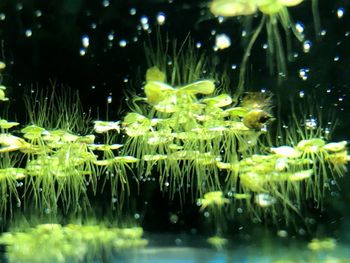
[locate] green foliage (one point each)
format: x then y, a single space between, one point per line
71 243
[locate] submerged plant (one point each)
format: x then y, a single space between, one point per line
274 14
55 109
70 243
10 179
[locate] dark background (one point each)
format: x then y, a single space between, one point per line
52 53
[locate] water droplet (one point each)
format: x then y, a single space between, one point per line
93 25
85 41
306 46
19 6
137 216
161 18
282 233
221 19
132 11
105 3
28 33
123 43
38 13
340 12
311 123
144 20
222 41
299 27
173 218
110 36
82 52
303 73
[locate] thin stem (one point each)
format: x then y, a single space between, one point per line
246 55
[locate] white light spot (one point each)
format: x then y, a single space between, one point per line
145 27
282 233
161 18
301 94
82 52
109 99
222 41
123 43
311 124
144 20
132 11
38 13
105 3
110 36
340 12
299 27
306 46
85 41
28 33
2 16
336 58
137 216
264 200
303 73
198 45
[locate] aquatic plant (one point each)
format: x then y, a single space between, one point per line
61 175
69 243
274 14
10 179
217 242
177 64
214 204
55 109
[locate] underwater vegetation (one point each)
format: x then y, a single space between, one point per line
274 15
196 138
70 243
202 145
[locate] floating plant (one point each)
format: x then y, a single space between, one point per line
274 14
